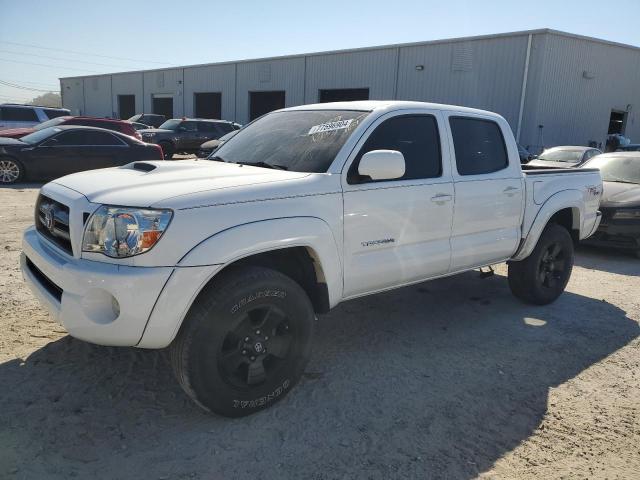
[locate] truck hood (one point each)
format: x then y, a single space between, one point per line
16 132
177 184
617 194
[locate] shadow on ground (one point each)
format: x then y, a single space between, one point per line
437 380
608 260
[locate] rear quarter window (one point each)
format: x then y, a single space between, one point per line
51 113
479 146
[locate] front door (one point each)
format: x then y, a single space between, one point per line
397 231
489 193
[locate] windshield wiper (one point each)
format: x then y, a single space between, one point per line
216 158
274 166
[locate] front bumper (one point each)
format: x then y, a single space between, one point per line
110 304
623 236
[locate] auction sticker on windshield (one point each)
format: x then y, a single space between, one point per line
330 126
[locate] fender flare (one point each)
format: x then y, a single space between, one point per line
559 201
241 241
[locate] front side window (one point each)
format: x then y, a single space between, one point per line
297 140
415 136
479 146
72 138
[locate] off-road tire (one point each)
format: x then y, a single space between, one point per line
541 278
213 338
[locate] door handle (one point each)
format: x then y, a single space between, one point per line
510 191
441 198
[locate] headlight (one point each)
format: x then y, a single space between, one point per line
123 232
627 214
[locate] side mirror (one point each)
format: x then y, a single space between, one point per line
382 164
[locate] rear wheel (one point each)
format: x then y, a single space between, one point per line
167 150
542 276
245 341
11 171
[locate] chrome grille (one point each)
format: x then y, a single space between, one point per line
52 221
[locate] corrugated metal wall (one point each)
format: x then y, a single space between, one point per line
372 69
578 82
213 78
164 82
127 84
272 75
73 94
484 73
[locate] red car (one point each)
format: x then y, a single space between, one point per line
121 126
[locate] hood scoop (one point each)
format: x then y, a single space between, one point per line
143 166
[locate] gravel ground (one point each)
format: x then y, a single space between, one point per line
448 379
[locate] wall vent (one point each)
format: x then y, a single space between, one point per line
462 57
264 73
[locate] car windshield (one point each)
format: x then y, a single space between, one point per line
135 118
561 155
50 123
39 135
298 140
617 169
171 124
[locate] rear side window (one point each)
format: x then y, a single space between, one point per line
16 114
102 138
415 136
51 113
479 146
208 127
224 128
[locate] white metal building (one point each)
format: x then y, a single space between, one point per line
553 87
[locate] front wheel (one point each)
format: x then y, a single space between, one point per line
167 150
542 276
11 171
245 342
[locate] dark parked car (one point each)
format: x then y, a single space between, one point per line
185 135
620 204
154 120
524 154
208 147
121 126
632 147
57 151
564 157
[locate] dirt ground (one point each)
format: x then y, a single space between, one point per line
449 379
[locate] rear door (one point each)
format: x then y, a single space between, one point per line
397 231
189 136
489 190
103 149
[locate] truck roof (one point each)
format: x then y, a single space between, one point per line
371 105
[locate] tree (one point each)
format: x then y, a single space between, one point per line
50 99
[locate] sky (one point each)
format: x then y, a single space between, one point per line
41 41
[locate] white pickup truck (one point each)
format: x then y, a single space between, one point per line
228 260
